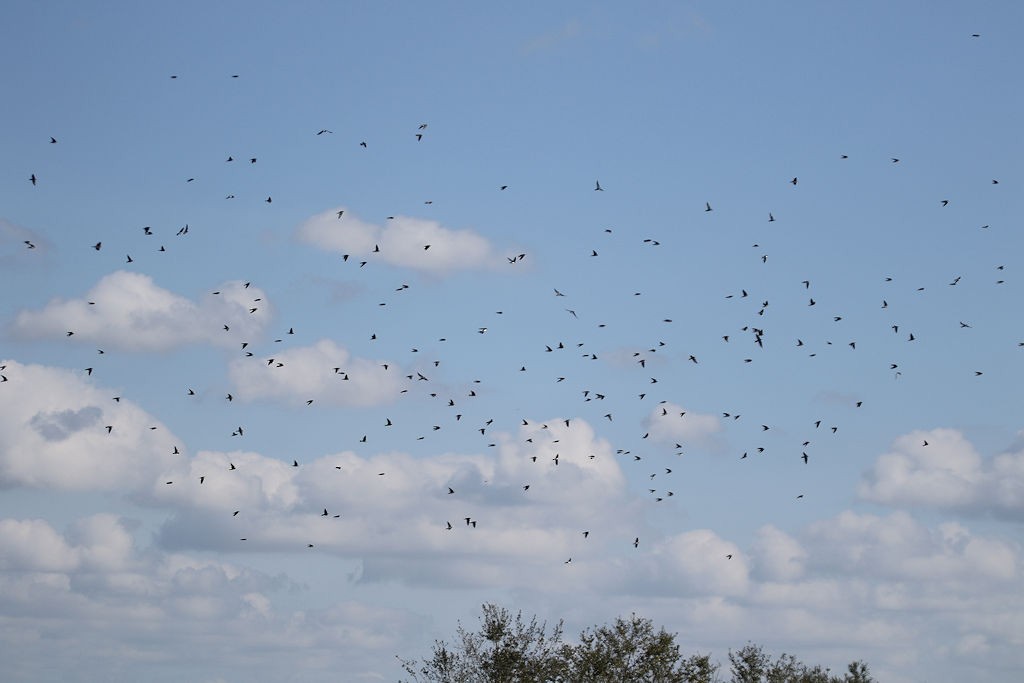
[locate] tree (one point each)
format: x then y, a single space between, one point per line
509 649
857 672
749 664
631 650
505 648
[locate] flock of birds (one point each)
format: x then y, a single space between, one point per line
750 337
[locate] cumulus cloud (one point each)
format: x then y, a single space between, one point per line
899 547
671 423
157 606
941 469
777 556
324 372
406 242
53 434
128 311
700 562
393 507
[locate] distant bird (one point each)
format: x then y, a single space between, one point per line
32 179
707 206
597 185
793 181
53 141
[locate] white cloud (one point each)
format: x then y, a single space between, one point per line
396 523
940 468
126 310
897 547
402 242
323 372
145 607
53 434
699 562
671 423
777 556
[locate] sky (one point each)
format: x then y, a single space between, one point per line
325 323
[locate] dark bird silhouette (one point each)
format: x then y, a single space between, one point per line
32 179
597 186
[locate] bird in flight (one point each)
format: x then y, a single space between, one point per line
597 186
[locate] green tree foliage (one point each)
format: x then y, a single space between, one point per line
509 649
505 648
751 664
631 650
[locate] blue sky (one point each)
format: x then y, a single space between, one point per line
903 554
